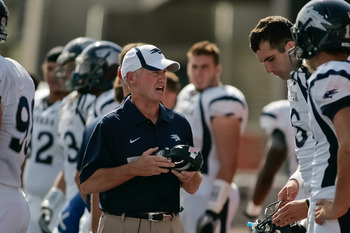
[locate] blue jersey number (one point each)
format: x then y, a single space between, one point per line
301 135
41 157
72 145
23 119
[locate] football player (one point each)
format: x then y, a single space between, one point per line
95 72
218 115
72 118
16 122
46 155
322 37
271 40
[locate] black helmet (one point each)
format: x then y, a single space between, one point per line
321 24
73 49
186 158
96 67
4 13
64 70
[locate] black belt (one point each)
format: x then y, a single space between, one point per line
152 216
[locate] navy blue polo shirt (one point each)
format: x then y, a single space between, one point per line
121 136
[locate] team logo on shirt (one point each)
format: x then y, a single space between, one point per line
329 94
175 137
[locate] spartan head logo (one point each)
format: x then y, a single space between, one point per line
312 18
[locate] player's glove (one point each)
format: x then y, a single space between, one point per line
207 222
186 158
71 214
52 201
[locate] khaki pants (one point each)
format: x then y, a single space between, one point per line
121 224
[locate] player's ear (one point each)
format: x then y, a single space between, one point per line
119 74
290 44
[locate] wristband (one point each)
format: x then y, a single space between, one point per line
219 195
297 176
53 199
307 203
252 209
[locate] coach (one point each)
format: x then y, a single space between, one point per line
139 192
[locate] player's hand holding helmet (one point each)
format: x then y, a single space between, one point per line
51 203
186 158
266 225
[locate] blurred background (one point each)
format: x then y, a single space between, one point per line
35 26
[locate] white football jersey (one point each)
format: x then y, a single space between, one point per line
103 104
46 157
73 116
17 103
276 115
199 108
304 142
329 92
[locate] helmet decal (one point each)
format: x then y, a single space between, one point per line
313 19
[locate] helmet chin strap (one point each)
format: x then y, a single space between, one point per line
296 63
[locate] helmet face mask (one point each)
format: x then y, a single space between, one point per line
3 21
66 61
93 66
321 25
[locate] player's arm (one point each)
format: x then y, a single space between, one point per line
105 179
52 202
341 204
226 133
290 191
276 155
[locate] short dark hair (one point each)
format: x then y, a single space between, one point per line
52 54
274 29
205 48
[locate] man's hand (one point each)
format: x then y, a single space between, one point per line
325 210
291 212
289 192
184 176
148 164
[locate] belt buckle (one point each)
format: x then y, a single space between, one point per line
164 217
150 217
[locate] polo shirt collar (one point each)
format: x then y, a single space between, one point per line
137 117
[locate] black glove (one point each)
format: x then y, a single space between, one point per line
45 219
207 222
